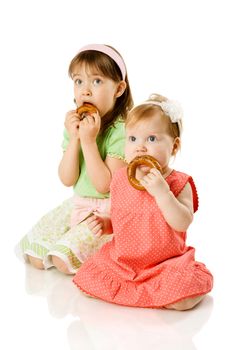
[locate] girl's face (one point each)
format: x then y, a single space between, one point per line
150 137
92 87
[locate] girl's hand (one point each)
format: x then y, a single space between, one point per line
72 123
89 128
154 183
99 225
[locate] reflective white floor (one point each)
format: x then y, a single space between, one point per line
183 51
44 310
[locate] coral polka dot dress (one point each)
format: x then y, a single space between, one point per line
147 264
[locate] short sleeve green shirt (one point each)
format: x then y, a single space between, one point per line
111 144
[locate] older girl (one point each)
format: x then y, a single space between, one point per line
93 150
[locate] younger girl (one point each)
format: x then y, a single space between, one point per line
93 151
147 264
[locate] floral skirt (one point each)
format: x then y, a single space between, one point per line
63 233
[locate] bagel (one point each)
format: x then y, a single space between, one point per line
146 160
86 108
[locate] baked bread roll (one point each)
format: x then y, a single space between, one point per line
146 160
86 108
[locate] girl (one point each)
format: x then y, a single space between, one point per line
147 264
93 151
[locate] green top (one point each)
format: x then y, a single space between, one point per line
111 144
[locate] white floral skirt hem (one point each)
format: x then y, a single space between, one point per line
53 235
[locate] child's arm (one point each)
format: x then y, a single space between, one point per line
99 171
69 166
99 225
177 211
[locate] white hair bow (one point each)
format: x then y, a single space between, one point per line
171 108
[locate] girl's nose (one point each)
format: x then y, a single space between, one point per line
86 91
141 148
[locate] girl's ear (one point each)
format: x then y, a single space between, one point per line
176 146
121 88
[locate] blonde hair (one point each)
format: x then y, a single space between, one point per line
146 110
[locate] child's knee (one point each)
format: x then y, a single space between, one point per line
60 265
185 304
36 262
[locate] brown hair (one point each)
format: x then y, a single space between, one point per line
108 67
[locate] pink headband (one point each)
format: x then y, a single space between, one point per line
108 51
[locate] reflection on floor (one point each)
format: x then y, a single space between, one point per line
98 325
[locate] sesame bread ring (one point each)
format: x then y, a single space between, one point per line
146 160
86 108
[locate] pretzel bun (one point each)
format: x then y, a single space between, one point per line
146 160
86 108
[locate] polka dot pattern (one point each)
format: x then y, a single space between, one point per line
147 264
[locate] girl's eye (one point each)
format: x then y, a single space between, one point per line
97 82
152 138
132 138
78 82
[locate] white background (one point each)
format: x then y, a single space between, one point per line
181 49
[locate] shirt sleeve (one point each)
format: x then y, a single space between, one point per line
116 141
65 141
